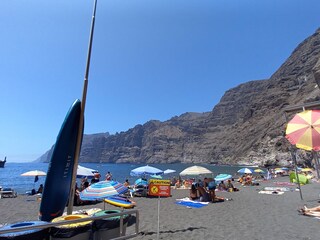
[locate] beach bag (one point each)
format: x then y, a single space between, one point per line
212 185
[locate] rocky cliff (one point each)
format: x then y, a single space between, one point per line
246 126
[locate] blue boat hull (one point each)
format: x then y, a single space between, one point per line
59 176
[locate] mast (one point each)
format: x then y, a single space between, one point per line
81 123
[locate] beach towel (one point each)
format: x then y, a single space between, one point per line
189 203
279 189
271 192
285 184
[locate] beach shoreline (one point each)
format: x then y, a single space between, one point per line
250 215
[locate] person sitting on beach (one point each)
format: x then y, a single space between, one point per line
84 183
77 201
230 187
178 184
222 186
204 195
96 178
248 180
40 189
173 181
126 183
193 192
206 182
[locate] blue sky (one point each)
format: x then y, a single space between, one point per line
150 60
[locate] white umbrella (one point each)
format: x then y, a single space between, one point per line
168 171
33 173
85 172
195 170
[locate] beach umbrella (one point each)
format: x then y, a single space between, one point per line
168 171
145 170
245 170
33 173
222 177
195 170
258 170
85 172
102 189
303 130
141 181
156 176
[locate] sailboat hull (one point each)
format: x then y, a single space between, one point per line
59 176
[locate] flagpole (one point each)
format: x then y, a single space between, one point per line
81 122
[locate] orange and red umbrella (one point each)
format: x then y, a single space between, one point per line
304 130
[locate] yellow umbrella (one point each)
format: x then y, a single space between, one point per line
258 170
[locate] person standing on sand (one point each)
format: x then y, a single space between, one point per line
268 174
108 176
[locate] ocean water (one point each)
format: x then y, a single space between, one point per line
10 174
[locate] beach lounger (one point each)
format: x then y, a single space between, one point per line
7 193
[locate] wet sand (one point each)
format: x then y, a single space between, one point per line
249 215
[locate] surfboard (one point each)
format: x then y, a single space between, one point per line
120 202
59 175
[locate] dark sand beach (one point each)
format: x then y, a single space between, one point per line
249 215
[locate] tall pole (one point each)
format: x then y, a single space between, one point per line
81 122
293 156
316 162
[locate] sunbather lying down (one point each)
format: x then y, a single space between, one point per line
314 212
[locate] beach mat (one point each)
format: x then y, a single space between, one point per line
278 189
271 192
285 184
189 203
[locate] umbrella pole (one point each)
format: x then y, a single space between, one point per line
158 229
315 157
81 122
296 170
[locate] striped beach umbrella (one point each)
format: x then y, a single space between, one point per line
304 130
245 170
101 190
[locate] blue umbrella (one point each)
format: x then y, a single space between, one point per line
156 176
141 181
222 177
145 170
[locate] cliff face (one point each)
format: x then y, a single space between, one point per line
246 126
